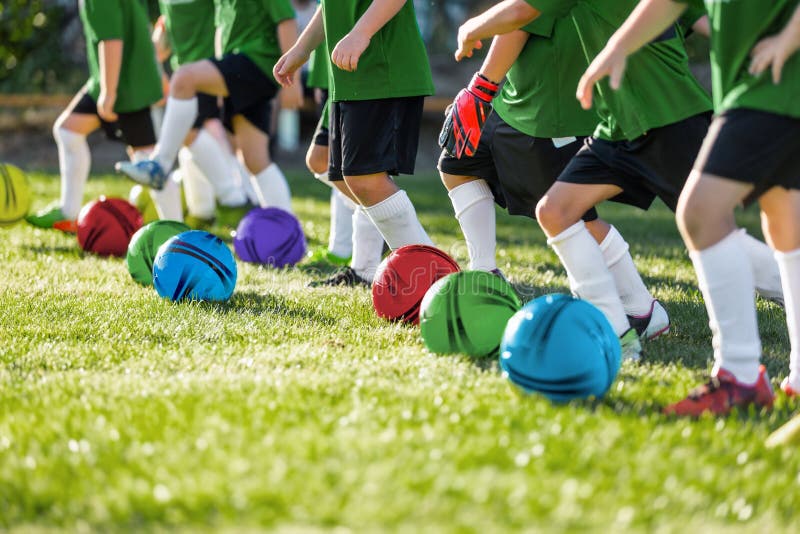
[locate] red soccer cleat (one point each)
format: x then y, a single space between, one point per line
788 389
723 393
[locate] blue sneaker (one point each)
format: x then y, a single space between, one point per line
146 172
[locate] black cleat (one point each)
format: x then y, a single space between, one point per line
345 277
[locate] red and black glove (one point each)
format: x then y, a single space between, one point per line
465 117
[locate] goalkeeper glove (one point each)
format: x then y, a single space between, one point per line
465 117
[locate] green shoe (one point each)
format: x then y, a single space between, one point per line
323 255
53 218
231 215
198 223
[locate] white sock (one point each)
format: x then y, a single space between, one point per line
200 198
725 278
75 161
397 221
635 297
273 188
213 160
367 245
589 277
340 239
178 120
168 200
246 181
789 264
473 204
766 275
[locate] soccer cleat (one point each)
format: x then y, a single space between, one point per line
653 324
146 172
788 389
325 256
53 217
631 346
723 393
345 277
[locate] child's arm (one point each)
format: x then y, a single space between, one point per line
290 97
348 51
505 17
291 61
161 40
776 50
466 117
110 56
648 20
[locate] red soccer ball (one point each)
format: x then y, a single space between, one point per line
106 225
403 279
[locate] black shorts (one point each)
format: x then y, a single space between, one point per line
656 164
373 136
207 108
518 168
250 91
134 128
755 147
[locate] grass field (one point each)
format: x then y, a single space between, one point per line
297 410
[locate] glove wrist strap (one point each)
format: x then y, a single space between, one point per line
483 87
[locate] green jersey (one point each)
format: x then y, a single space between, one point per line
658 88
108 20
736 28
538 98
319 69
190 27
250 27
394 65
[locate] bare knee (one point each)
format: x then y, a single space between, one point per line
182 83
553 216
689 218
317 159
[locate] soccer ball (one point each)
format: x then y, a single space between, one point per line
15 194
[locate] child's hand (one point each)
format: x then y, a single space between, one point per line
466 43
774 51
105 106
286 67
609 62
348 51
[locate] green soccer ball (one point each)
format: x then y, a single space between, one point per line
466 313
144 245
15 194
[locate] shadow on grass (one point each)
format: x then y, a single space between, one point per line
251 303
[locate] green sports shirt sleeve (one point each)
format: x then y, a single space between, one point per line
139 81
104 19
538 98
736 28
394 65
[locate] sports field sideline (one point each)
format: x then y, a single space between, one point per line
297 410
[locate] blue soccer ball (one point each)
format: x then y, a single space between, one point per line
194 265
561 347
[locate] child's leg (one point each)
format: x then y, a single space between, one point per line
268 179
167 200
473 204
200 197
781 213
74 158
182 107
389 208
706 221
559 214
340 238
214 162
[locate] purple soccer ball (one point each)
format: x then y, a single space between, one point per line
270 236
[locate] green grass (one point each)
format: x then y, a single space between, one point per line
295 410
